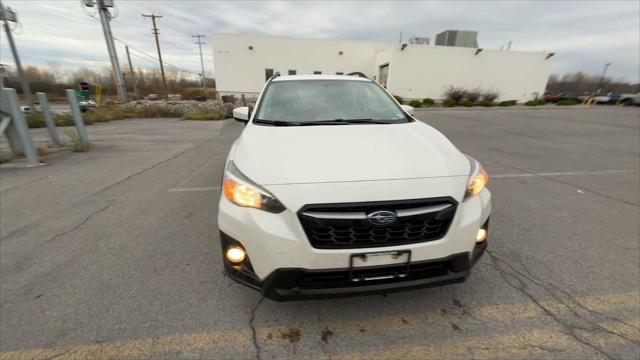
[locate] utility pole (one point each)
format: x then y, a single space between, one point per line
204 80
6 14
105 18
156 32
133 75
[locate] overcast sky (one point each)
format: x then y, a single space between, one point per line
585 35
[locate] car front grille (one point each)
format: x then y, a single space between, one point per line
346 226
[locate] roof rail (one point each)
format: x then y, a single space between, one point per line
357 73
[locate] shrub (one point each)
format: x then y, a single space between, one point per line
192 93
428 102
35 120
541 102
508 103
487 103
490 96
467 103
77 145
565 102
473 95
531 103
63 120
399 99
449 103
455 93
103 114
415 103
204 115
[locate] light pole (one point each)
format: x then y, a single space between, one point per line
604 71
7 15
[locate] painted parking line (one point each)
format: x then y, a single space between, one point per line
235 341
561 173
525 344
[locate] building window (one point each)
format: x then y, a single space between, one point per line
268 73
292 72
339 73
384 75
317 72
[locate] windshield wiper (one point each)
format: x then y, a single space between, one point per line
277 122
344 122
319 122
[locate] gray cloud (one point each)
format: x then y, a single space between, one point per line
584 35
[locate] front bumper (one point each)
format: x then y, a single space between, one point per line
280 252
301 284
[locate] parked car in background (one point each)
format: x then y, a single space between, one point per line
629 99
568 96
551 97
583 97
602 99
613 98
85 105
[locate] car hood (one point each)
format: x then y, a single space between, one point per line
271 155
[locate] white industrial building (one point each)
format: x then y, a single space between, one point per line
414 71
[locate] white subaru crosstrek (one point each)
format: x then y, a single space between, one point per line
334 189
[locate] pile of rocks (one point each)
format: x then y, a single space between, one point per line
188 106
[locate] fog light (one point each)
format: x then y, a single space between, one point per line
482 235
235 254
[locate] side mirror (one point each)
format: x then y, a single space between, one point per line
241 114
406 108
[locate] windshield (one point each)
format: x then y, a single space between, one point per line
336 101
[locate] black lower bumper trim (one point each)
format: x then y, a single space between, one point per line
299 284
274 292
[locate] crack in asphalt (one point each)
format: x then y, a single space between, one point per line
254 335
577 322
25 184
143 170
84 221
15 231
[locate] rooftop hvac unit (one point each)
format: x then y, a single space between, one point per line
460 38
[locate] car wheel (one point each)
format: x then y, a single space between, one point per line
627 102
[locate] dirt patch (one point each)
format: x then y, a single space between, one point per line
326 334
291 334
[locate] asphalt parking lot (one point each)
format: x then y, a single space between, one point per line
114 253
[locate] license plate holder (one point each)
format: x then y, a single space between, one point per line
358 264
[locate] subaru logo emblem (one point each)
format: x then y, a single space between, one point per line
383 217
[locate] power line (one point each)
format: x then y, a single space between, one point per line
153 57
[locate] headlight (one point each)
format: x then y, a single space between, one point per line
478 179
241 191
